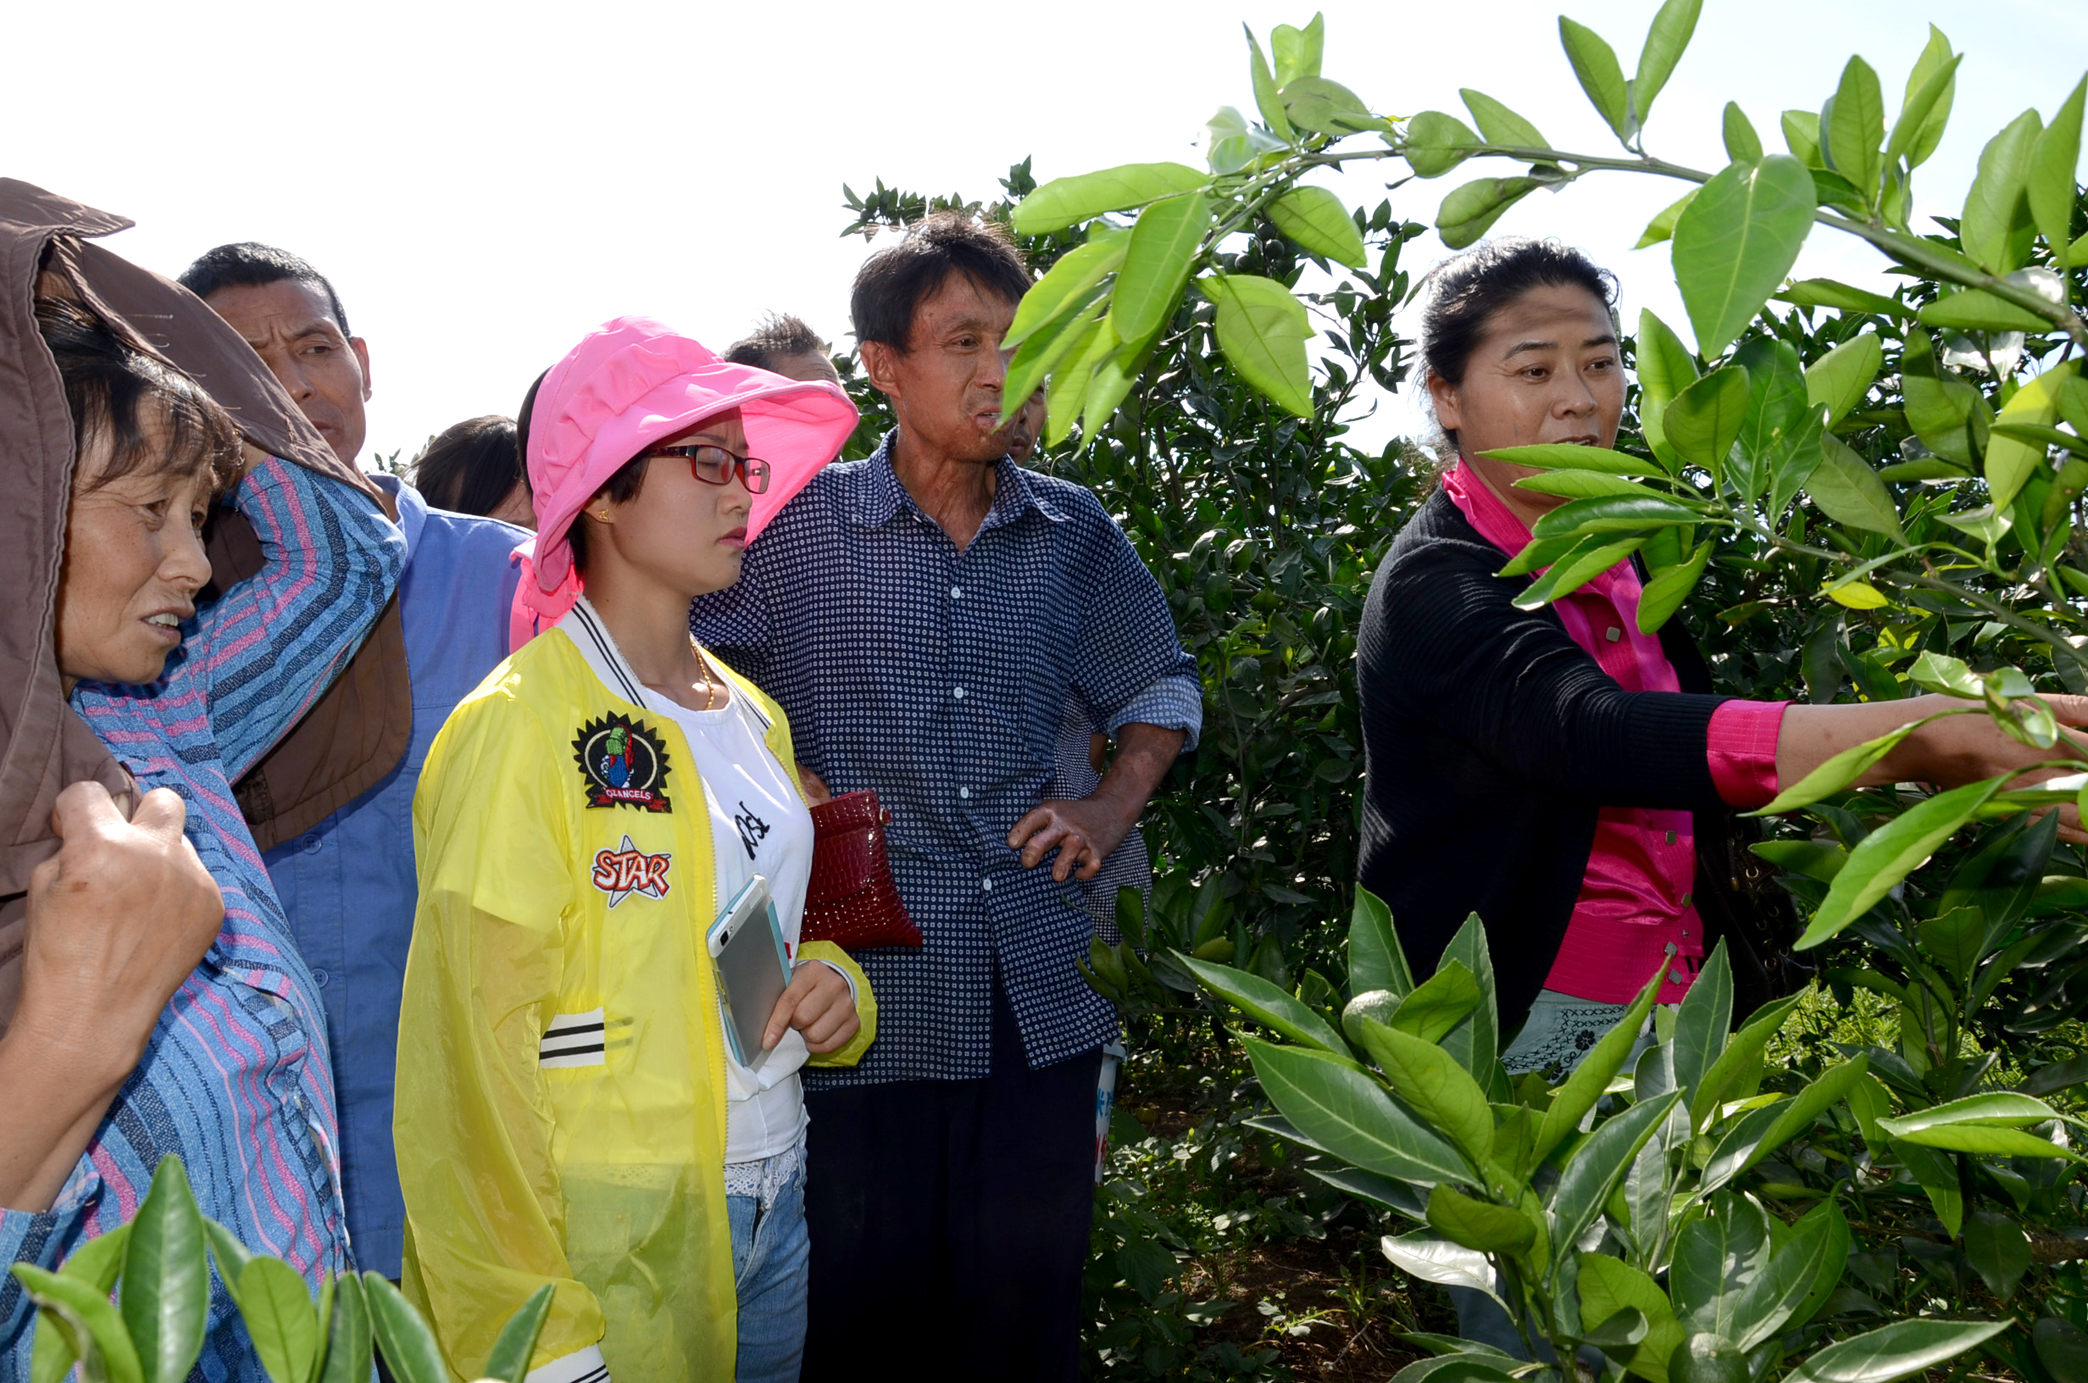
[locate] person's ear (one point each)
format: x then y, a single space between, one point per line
1444 395
881 364
362 359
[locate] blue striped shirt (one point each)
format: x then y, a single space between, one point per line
235 1077
938 677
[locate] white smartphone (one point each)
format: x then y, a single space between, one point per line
753 967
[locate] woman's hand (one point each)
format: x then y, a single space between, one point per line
818 1004
817 793
116 921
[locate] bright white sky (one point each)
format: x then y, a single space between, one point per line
484 182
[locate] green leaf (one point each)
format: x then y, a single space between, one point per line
1324 107
1068 386
1376 959
1434 1086
166 1277
1717 1257
1926 111
1857 127
1064 288
408 1344
1600 1161
1263 329
1705 419
1742 144
1841 297
1114 375
1737 241
1438 1004
1995 229
2009 462
1578 1094
1893 851
1665 41
1468 211
1994 1109
1779 430
1778 1292
1589 558
1267 1004
1975 309
1433 1258
1595 66
1318 222
1064 202
1801 132
1572 456
1579 484
1665 369
1614 514
89 1308
1436 143
1899 1349
1476 1041
1346 1112
1837 773
1703 1022
1049 348
1946 413
1762 1131
2062 1348
510 1357
231 1256
1156 267
2053 162
1266 99
1937 1176
1845 488
1500 125
1662 227
1839 379
277 1308
1478 1224
1665 593
1298 51
1998 1251
348 1338
1610 1285
97 1262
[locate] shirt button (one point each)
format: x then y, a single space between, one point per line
1671 837
1614 634
986 884
956 592
321 978
1685 899
1677 976
964 794
957 692
311 844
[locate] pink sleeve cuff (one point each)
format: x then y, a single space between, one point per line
1740 748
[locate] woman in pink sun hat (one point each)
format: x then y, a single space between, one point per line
572 1112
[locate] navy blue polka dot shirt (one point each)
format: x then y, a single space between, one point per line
938 677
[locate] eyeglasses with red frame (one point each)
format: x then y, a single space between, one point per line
714 465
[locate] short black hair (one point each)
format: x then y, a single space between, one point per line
779 337
1466 289
470 467
249 265
621 488
110 383
895 281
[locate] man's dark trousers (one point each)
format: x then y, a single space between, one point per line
949 1222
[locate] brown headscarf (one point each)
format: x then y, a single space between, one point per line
46 745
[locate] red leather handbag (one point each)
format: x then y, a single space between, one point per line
851 899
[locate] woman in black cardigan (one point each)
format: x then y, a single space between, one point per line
1565 777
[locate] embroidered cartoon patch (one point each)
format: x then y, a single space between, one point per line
621 873
623 764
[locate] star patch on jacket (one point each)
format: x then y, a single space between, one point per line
622 764
621 873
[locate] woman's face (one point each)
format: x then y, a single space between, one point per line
134 561
678 530
1546 369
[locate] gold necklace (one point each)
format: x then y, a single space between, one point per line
710 687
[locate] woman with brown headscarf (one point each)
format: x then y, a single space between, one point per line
213 1049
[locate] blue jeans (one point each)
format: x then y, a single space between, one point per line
771 1256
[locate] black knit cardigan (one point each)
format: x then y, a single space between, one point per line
1491 740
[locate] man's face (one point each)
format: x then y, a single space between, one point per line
327 372
945 387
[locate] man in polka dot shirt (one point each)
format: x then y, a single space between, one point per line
922 617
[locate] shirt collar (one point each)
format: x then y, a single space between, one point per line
413 510
880 497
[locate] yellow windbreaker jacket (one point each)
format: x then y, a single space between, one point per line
560 1107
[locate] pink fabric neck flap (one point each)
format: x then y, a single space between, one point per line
628 384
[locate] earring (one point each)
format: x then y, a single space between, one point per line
602 514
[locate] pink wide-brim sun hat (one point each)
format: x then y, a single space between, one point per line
630 383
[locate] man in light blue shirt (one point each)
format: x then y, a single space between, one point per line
348 884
